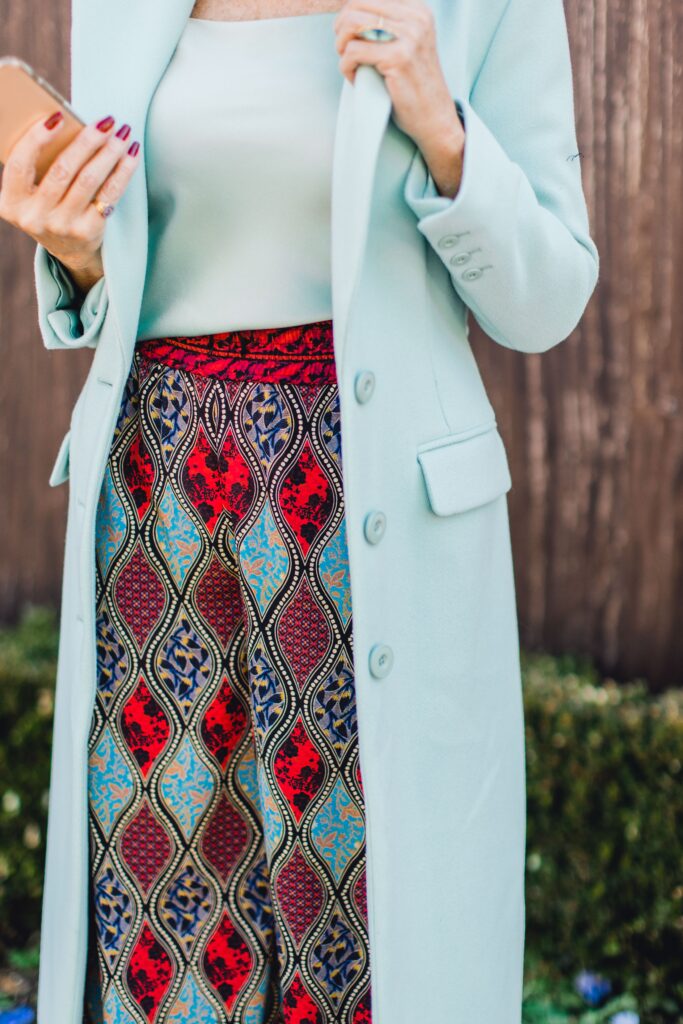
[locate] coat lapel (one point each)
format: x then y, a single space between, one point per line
364 110
141 39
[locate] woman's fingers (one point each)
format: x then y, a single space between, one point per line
392 60
357 14
94 178
409 20
73 159
377 8
111 189
28 205
18 176
357 20
59 212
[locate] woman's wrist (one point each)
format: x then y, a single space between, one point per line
443 150
86 275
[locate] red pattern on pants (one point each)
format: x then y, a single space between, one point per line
226 816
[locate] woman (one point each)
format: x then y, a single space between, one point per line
216 697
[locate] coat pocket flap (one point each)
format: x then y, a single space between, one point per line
462 472
60 470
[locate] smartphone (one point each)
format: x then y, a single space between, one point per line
25 97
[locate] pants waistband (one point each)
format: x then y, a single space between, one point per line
301 354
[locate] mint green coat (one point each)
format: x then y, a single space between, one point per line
440 713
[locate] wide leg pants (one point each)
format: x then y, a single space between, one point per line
226 817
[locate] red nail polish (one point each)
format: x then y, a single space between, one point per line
123 132
105 124
133 149
54 119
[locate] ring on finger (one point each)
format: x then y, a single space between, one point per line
104 209
376 33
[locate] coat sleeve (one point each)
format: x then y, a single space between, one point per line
66 319
515 240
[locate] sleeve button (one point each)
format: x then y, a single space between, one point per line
448 241
460 259
472 274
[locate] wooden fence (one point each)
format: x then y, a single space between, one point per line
594 427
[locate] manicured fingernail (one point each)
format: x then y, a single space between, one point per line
105 124
54 119
123 132
133 149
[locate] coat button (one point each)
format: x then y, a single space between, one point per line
380 661
448 241
460 259
364 386
374 526
472 274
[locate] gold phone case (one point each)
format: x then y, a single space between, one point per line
25 98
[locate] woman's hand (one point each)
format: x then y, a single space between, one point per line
59 212
422 104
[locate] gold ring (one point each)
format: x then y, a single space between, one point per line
104 209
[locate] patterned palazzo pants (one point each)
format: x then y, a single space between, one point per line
226 816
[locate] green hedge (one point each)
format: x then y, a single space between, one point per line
27 673
605 813
605 830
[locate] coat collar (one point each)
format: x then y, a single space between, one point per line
142 38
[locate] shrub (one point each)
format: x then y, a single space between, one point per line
27 675
604 838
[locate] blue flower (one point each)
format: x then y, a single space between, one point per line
593 987
19 1015
624 1017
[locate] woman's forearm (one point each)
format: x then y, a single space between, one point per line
88 275
422 104
444 154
